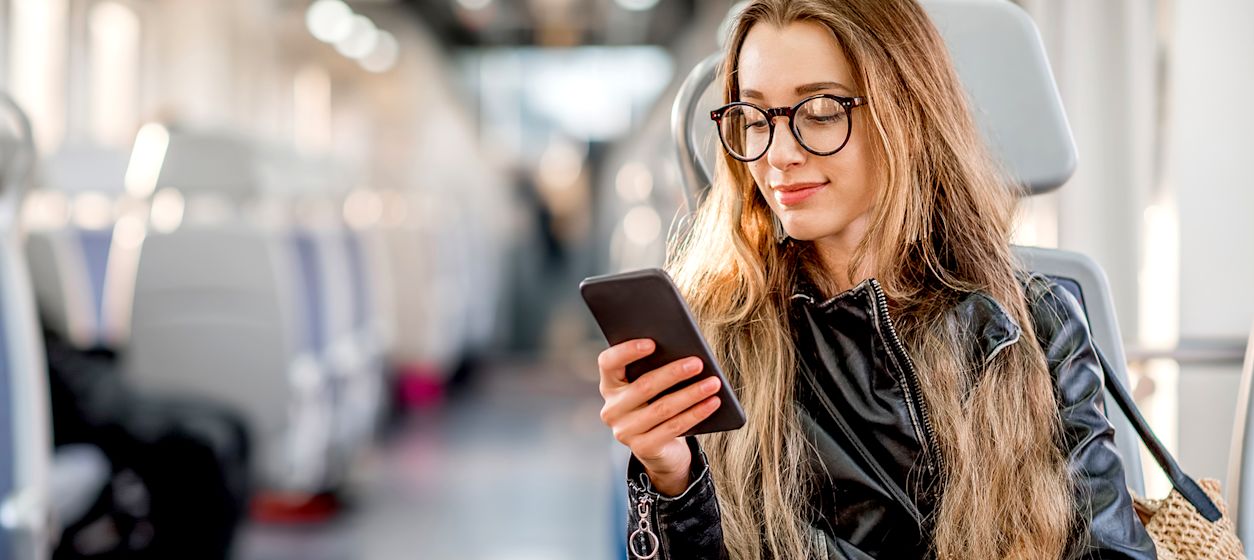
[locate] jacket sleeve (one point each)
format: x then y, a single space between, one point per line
687 526
1112 530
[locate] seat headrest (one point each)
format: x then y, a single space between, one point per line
211 163
85 168
290 175
1001 62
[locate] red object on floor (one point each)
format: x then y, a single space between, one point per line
420 386
294 508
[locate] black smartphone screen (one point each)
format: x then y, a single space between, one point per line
646 304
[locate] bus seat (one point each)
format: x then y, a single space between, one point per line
344 340
25 422
70 260
220 309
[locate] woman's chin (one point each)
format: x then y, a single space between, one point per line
813 230
801 234
802 231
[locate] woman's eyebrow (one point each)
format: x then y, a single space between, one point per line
820 86
801 90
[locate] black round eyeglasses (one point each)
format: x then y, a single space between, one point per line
820 123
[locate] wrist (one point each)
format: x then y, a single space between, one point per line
671 483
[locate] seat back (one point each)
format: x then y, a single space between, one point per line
25 424
1001 62
208 321
332 282
1084 278
62 286
223 310
70 262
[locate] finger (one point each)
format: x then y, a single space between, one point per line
678 425
654 383
626 409
613 361
647 418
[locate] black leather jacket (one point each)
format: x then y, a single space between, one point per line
859 402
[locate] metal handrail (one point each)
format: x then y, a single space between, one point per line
686 100
1237 453
1209 351
23 122
13 179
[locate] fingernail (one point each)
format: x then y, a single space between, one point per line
709 384
643 345
692 365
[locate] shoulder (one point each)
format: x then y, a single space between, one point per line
1057 318
1057 315
984 326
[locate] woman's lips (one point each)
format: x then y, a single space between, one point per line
789 195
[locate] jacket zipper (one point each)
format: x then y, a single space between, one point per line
919 415
644 529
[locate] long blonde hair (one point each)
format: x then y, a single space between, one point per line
940 228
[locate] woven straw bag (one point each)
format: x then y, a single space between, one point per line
1192 522
1181 533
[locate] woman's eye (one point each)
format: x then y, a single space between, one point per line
759 124
830 118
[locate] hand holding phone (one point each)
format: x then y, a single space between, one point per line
653 427
659 379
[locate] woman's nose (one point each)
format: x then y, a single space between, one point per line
784 151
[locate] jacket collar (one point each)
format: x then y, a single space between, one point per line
988 326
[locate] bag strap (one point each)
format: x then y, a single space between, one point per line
1182 482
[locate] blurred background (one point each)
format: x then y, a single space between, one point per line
293 279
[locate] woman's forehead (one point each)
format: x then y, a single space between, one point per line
778 63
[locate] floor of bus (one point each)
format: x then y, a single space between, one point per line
515 468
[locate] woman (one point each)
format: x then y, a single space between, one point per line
910 392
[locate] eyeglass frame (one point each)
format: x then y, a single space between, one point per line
774 112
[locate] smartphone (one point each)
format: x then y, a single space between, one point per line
646 304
